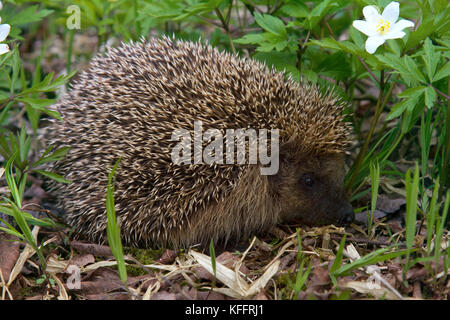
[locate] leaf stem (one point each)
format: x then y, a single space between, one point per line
69 52
300 51
440 92
226 28
370 71
381 103
445 151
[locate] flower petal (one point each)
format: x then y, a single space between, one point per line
4 31
371 14
365 27
394 35
391 12
372 43
402 24
3 48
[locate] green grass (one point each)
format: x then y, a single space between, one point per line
113 226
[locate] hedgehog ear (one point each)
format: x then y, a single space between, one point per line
289 149
293 144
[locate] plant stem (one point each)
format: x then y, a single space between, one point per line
381 103
254 7
441 93
137 25
69 51
300 51
213 22
370 71
227 19
226 28
445 151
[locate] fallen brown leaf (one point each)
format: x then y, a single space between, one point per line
168 257
9 253
92 248
163 295
82 260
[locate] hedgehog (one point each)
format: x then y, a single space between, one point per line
128 103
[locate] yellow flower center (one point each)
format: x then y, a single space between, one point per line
383 26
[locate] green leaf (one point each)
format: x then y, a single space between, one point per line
163 10
11 181
431 58
251 38
37 103
295 9
319 11
338 260
24 144
46 85
271 24
310 75
11 231
23 225
431 215
440 228
16 67
198 9
371 258
429 25
282 61
335 66
412 92
414 70
349 47
375 183
412 188
45 222
357 37
52 175
430 97
41 105
212 253
266 47
28 15
405 66
412 96
113 226
55 156
443 72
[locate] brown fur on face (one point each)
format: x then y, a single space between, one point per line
311 190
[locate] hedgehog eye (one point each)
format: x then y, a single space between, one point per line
307 180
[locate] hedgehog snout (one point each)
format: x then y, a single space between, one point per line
346 215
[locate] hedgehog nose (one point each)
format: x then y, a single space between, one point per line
347 216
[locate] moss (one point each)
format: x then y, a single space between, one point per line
25 292
144 256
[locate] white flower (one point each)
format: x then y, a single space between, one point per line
379 28
4 31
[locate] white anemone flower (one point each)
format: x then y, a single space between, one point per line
382 27
4 31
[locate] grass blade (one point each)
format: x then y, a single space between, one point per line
113 227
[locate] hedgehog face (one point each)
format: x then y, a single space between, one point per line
312 191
